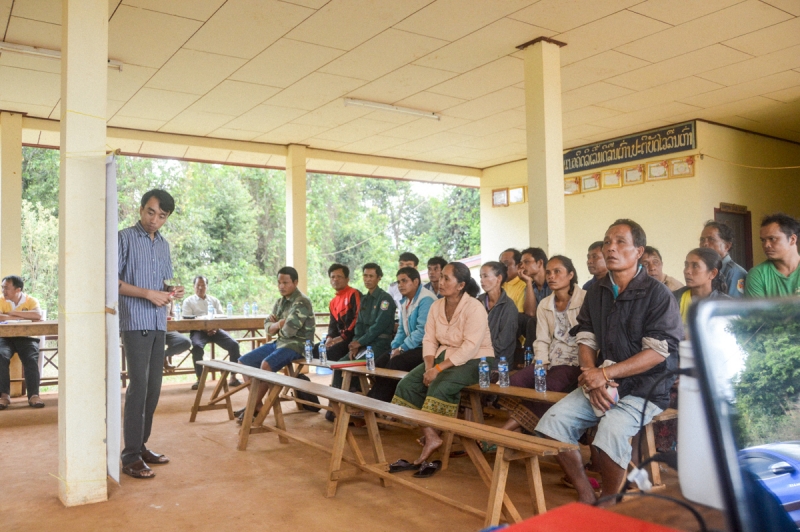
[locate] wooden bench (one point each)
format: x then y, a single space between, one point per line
495 478
474 393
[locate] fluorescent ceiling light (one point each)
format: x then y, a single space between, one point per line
351 102
44 52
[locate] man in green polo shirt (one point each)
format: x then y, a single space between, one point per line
779 275
375 324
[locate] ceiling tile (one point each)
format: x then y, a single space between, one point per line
688 64
41 10
597 68
604 34
676 12
755 68
5 14
494 41
756 87
315 90
725 24
725 110
291 133
429 101
30 62
448 152
323 166
33 33
769 39
583 130
195 123
122 85
285 62
264 118
207 154
424 126
124 145
129 122
493 123
313 4
484 79
233 98
452 19
394 118
194 72
194 9
277 161
161 149
502 100
498 138
672 91
585 115
372 144
244 28
146 38
387 51
157 104
248 157
356 130
401 83
357 169
112 106
791 94
40 111
435 141
636 118
393 173
29 86
235 134
790 6
591 94
344 24
323 144
561 16
332 115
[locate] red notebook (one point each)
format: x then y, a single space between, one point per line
578 517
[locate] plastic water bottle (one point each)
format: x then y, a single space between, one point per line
502 368
210 310
370 359
254 309
229 310
323 351
528 356
246 309
176 311
308 351
483 373
540 377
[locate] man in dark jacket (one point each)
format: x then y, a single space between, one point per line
628 332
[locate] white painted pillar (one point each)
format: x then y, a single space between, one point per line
81 255
296 240
546 217
11 212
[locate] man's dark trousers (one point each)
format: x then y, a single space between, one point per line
221 338
28 351
144 354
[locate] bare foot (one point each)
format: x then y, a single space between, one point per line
432 442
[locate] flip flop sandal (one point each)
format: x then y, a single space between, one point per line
402 465
37 404
487 447
428 469
239 413
458 454
149 457
4 405
138 469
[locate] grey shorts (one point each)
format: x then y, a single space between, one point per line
569 418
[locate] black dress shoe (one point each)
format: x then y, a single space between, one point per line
330 416
196 385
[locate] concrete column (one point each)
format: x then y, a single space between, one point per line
296 213
11 211
545 146
82 254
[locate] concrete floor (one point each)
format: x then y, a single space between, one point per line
209 485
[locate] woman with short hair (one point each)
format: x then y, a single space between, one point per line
501 309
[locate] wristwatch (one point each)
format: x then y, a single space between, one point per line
401 349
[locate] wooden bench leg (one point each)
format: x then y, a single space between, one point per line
223 377
535 484
279 422
377 445
497 490
342 420
272 399
447 448
199 397
247 421
650 450
364 382
477 408
228 404
485 471
292 371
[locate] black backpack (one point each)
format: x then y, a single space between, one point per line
310 397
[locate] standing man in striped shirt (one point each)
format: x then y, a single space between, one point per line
144 266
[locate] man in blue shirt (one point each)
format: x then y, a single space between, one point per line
144 266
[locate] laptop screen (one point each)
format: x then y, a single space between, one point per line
747 356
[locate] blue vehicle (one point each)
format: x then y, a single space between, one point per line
777 465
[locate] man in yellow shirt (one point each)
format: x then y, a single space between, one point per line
16 305
514 287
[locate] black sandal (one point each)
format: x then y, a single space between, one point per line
402 465
428 469
138 469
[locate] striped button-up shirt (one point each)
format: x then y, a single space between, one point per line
147 264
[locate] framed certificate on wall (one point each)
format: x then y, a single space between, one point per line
500 197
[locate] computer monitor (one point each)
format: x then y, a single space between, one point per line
739 413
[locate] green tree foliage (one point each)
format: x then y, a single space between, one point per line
229 224
768 389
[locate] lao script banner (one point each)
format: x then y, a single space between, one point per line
671 139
